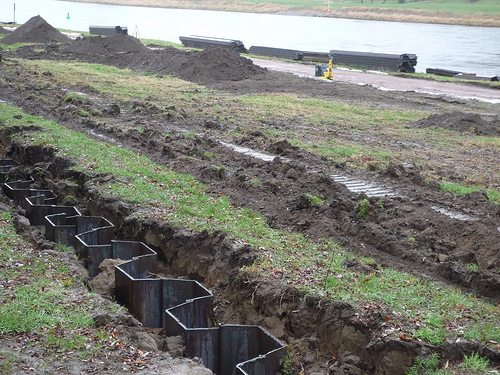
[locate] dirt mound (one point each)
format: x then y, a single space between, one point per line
208 66
36 30
219 64
4 31
460 122
204 67
99 45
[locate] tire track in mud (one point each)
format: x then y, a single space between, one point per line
436 213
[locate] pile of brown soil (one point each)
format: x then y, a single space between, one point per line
36 30
99 45
203 67
460 122
218 64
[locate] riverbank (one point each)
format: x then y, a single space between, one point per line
351 12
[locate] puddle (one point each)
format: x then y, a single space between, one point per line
455 214
105 138
250 152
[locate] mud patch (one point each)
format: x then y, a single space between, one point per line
36 30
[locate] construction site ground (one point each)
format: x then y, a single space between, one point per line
416 227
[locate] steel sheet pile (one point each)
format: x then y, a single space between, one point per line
180 307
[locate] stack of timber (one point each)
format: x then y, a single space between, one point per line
405 62
459 74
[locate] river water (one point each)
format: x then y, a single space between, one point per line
464 48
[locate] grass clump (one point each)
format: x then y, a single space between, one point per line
425 366
314 200
75 98
430 365
362 208
493 194
475 362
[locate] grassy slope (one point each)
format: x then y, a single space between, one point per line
463 12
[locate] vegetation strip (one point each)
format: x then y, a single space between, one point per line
414 308
483 13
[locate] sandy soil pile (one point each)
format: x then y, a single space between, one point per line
99 45
36 30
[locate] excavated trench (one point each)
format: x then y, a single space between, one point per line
325 336
179 307
330 336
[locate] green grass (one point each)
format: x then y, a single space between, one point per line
319 117
470 364
41 304
314 200
44 306
42 300
363 208
435 312
455 6
12 47
457 189
331 113
162 43
475 362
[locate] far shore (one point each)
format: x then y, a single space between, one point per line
353 12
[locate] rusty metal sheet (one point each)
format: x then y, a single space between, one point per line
181 307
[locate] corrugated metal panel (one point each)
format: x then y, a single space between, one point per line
181 307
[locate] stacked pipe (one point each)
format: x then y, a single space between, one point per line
204 42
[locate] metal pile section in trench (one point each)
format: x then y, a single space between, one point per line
180 307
